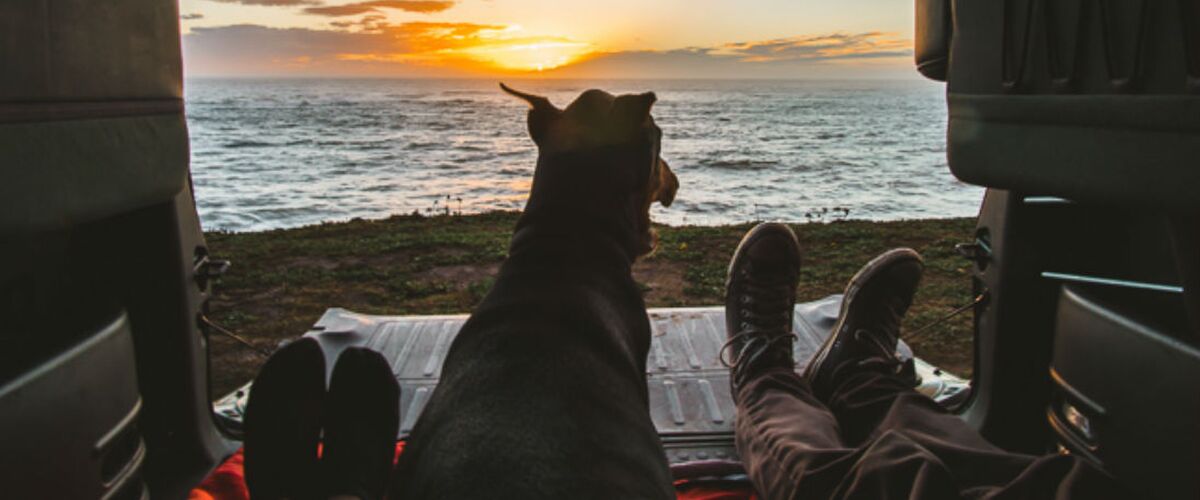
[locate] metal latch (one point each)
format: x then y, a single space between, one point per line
207 269
979 252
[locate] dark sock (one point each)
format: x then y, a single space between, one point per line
283 423
362 418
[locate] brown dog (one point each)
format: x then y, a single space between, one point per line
543 393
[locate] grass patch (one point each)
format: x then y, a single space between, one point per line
283 280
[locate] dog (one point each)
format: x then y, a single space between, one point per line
543 393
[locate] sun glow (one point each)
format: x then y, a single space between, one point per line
529 55
479 48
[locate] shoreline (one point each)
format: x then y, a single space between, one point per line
282 280
817 218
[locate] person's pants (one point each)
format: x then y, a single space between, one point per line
875 438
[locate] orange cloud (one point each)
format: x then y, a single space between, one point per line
830 46
472 46
351 9
373 46
368 23
828 55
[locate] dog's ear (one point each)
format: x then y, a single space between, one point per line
633 109
542 113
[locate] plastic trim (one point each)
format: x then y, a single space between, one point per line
1095 280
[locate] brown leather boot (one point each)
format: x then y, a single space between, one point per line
868 327
760 298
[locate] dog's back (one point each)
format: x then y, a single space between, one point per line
538 399
543 394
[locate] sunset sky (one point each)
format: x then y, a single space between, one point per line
550 38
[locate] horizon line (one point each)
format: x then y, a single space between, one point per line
916 77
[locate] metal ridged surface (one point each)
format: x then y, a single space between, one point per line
690 398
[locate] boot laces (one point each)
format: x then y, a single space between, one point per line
885 356
756 344
766 303
764 320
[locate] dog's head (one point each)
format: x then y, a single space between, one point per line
601 150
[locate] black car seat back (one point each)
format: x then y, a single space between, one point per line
1082 117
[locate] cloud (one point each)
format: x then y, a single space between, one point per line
375 48
833 55
273 3
189 17
252 49
367 23
351 9
830 46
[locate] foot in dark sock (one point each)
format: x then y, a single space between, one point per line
283 423
868 328
760 299
362 417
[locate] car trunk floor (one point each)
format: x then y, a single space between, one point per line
690 401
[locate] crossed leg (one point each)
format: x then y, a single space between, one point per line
877 438
852 426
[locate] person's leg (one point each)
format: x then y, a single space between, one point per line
283 423
857 371
787 439
910 446
904 444
362 417
892 423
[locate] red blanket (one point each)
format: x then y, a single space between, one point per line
228 483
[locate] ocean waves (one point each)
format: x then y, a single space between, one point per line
281 153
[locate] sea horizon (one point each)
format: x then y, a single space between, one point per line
525 77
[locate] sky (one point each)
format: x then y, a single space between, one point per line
827 39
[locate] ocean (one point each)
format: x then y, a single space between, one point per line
278 153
